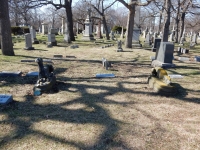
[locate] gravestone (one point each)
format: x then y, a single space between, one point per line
0 41
112 36
122 33
44 28
88 28
147 42
52 40
194 38
63 26
164 55
182 41
74 30
33 36
119 46
5 98
145 32
156 44
28 42
98 30
136 28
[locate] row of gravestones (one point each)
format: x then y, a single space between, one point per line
31 39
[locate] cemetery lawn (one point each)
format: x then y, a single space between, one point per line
88 113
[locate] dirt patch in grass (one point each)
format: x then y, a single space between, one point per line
85 112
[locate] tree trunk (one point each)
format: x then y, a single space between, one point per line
160 20
130 24
177 22
5 29
167 21
105 27
69 22
182 25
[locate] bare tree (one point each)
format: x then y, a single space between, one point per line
5 30
130 23
101 6
67 5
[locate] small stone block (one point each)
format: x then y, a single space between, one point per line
105 75
5 98
10 74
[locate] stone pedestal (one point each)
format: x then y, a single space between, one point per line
44 28
88 31
33 36
52 40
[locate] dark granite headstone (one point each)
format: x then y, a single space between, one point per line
165 52
164 55
156 44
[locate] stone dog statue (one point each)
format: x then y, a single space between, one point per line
46 78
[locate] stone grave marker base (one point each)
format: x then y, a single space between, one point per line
29 48
156 63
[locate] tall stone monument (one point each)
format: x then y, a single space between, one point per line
33 36
63 26
44 28
88 28
136 29
28 42
98 30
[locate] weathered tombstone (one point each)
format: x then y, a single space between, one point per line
145 32
122 33
194 38
33 36
181 41
0 41
88 28
5 98
52 40
74 30
147 42
106 63
28 42
63 26
164 55
119 46
136 28
98 30
156 44
112 36
44 28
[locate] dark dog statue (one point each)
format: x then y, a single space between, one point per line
46 77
